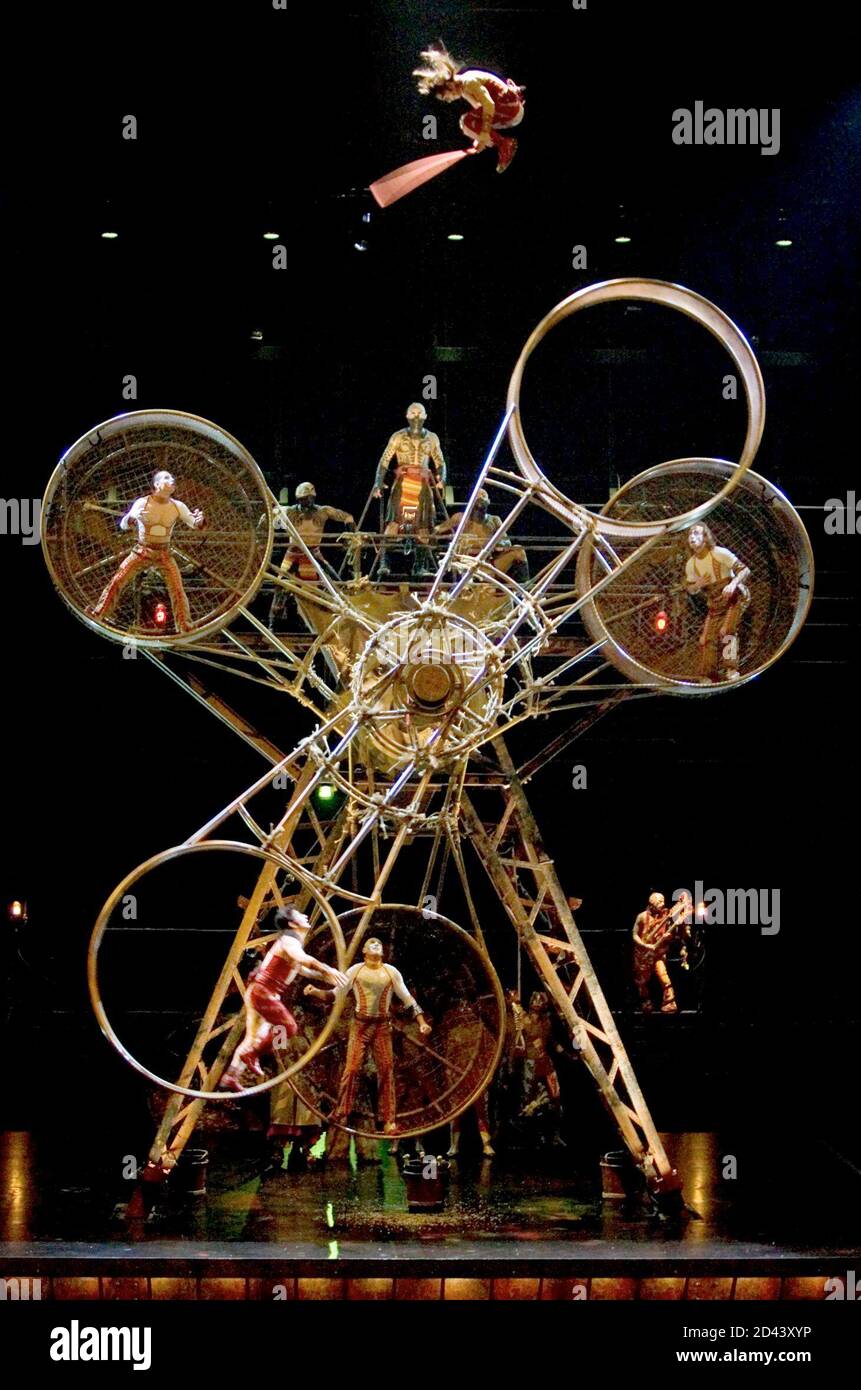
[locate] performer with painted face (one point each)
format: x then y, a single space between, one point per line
720 576
309 518
482 524
419 478
155 517
265 1010
653 934
372 983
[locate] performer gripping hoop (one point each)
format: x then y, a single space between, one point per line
264 995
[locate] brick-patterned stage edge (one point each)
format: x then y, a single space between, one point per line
140 1288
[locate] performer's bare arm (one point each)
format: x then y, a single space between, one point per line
341 986
382 467
334 514
133 513
449 524
291 948
194 519
437 456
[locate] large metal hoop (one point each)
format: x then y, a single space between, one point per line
696 307
164 857
196 425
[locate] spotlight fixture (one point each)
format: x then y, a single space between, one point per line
783 241
455 236
360 245
17 912
271 236
662 622
326 793
257 335
160 615
109 236
622 240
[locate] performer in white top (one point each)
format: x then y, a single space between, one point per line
720 575
372 983
155 517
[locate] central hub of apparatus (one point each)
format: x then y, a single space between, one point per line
429 685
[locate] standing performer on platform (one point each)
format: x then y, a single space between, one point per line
497 102
372 983
155 517
505 557
265 1010
309 518
419 478
719 574
653 933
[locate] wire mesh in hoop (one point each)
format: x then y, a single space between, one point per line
436 1077
95 484
649 625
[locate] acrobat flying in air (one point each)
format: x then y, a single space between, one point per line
496 103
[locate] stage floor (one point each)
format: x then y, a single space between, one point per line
781 1225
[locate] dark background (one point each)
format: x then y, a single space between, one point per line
260 120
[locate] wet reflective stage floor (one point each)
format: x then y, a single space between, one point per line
778 1215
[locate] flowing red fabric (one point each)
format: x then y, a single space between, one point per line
400 182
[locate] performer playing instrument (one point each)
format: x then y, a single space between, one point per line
155 517
653 933
419 478
372 983
265 1010
720 575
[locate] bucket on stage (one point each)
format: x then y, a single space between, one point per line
620 1177
426 1179
191 1172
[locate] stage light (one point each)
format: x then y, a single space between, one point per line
366 217
271 236
783 241
17 911
160 614
326 792
455 236
257 335
662 622
622 240
360 245
109 236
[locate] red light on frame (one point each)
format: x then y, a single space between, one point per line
662 622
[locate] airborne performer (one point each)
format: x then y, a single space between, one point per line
265 1009
497 106
155 517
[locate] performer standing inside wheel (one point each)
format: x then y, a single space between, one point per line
156 516
419 477
721 575
372 983
264 995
